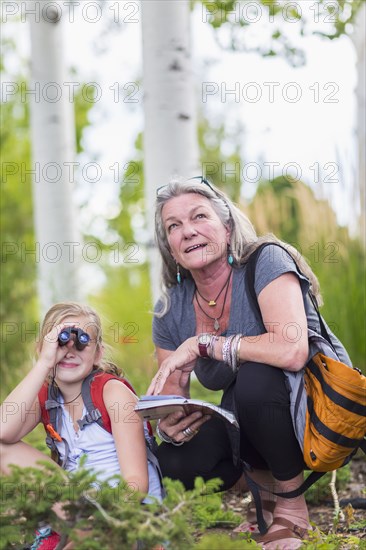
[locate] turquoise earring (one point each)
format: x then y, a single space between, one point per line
230 258
179 279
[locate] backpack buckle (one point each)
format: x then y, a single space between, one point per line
51 404
89 418
52 432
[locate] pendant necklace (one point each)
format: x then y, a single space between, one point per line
212 303
215 319
54 387
72 400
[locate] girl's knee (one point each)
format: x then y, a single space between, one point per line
20 454
6 451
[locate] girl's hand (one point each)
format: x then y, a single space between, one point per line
50 351
183 359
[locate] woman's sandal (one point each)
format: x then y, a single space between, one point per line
290 531
251 526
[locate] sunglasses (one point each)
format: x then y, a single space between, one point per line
200 178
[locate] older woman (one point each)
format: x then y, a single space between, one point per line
205 322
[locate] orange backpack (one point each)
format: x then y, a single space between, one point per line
336 413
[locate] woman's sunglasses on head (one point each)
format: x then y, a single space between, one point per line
200 178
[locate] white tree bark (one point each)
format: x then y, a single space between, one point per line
358 39
53 147
170 133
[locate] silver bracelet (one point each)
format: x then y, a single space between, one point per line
238 351
232 359
164 437
234 352
226 349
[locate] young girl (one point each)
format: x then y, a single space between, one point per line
70 348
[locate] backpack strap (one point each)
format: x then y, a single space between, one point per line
42 398
92 394
51 415
250 278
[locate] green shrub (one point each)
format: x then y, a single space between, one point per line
112 518
320 491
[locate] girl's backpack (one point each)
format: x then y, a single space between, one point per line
92 394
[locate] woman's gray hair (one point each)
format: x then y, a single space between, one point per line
243 238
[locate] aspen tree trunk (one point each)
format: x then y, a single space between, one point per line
358 39
170 132
53 149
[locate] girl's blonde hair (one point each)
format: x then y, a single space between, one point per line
243 238
58 312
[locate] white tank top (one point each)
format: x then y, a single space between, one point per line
98 446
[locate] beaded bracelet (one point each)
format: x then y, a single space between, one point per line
226 349
211 347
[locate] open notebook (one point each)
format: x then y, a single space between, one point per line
152 407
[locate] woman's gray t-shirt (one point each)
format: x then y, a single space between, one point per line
179 323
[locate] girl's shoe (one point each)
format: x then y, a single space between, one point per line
46 539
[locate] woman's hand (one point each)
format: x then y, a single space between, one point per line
183 359
180 427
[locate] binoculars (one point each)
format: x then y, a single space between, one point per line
81 341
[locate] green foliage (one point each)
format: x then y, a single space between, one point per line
222 541
237 19
344 295
289 209
332 541
127 322
17 283
18 310
220 166
342 15
125 302
320 490
99 516
208 511
37 439
131 197
81 112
